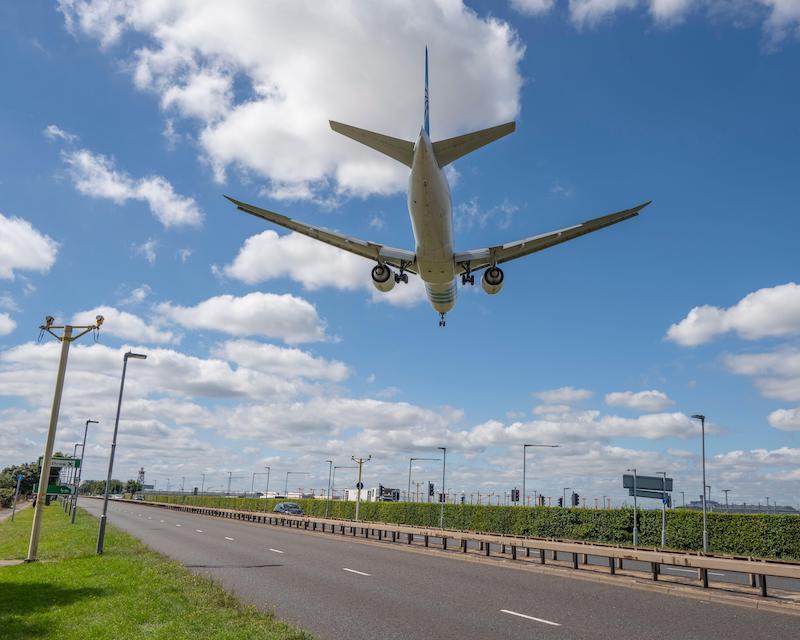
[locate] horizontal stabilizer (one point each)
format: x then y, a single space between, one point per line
447 151
400 150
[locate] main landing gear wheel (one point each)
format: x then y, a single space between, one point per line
441 320
401 277
467 278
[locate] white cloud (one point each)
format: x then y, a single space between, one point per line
8 303
138 295
23 248
785 419
532 7
126 326
280 361
7 324
54 132
648 401
267 256
184 255
588 13
670 11
470 214
95 175
563 395
769 312
776 373
147 250
277 127
286 317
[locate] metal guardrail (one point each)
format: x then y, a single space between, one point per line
757 569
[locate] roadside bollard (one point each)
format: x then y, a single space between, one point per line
513 552
612 566
541 556
464 545
487 548
426 540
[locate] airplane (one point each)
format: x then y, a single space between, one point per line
434 259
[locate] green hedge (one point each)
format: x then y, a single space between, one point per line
763 536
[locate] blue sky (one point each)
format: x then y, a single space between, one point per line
122 126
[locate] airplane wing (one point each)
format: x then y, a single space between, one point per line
480 258
399 258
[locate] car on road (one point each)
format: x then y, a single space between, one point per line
289 508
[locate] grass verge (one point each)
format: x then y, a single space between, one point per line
130 592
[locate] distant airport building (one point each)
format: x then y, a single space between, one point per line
376 494
745 507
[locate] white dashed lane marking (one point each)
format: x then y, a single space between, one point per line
276 550
177 525
361 573
199 530
227 538
522 615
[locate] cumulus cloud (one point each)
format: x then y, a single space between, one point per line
147 250
23 248
7 324
286 317
768 312
649 401
588 13
267 256
563 395
532 7
126 326
54 132
96 176
785 419
291 363
776 373
138 295
470 214
276 126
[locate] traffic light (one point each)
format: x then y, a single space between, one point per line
575 499
442 497
430 489
515 495
463 499
560 501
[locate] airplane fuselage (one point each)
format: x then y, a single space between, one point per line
431 212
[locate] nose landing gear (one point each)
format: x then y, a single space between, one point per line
441 320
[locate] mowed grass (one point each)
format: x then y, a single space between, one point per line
130 592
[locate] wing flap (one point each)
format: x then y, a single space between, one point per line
480 258
399 258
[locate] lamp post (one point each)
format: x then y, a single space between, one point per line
103 517
524 457
203 484
253 480
702 420
44 472
359 485
725 491
328 494
410 460
663 508
80 470
292 473
635 519
444 464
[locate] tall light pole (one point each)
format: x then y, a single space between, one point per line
725 491
702 420
73 474
328 494
44 472
444 464
359 485
663 508
524 457
80 470
292 473
410 460
102 533
230 477
203 484
635 518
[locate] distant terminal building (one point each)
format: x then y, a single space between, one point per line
376 494
745 507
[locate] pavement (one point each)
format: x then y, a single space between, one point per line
6 513
343 587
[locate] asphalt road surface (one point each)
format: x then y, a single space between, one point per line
338 587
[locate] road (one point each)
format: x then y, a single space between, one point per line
340 587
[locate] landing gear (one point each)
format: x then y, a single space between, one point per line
401 277
441 320
467 278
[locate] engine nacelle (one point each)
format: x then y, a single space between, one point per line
382 278
492 280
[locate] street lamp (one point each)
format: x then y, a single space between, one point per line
292 473
702 420
663 508
635 519
410 460
328 494
725 491
103 517
444 463
524 450
80 470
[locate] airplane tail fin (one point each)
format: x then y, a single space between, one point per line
400 150
447 151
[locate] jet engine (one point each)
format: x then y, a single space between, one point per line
492 280
382 278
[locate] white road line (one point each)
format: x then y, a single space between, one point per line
177 525
161 521
361 573
227 538
149 517
522 615
199 530
276 550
